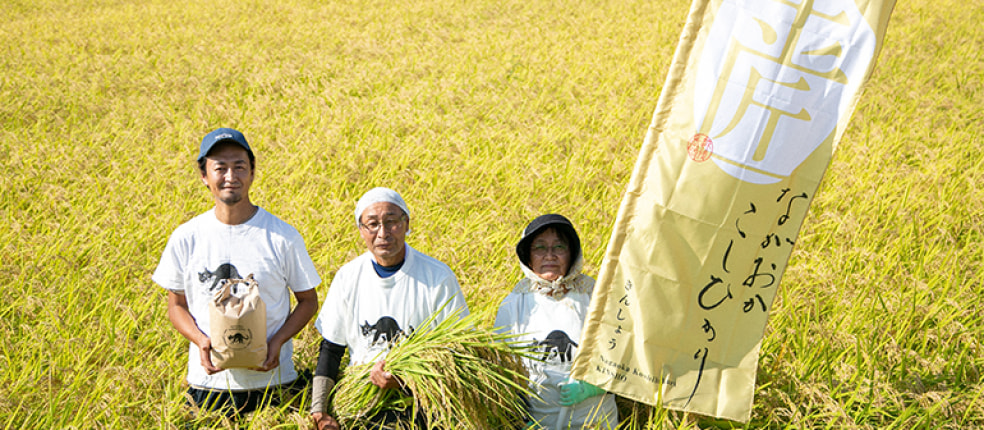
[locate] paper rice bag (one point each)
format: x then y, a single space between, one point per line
237 325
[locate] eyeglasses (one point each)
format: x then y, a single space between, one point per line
373 226
540 249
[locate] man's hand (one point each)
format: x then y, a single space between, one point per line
205 349
323 421
272 358
307 305
177 312
382 378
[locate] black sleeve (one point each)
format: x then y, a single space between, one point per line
329 358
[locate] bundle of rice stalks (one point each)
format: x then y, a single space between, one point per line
455 376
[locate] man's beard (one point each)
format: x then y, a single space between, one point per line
231 199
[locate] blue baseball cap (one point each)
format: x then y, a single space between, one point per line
223 135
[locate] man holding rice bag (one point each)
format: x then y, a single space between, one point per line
379 298
236 245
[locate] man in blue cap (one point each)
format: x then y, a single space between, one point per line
231 241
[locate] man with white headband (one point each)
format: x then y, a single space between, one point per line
379 298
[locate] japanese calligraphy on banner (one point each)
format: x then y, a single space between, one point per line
757 97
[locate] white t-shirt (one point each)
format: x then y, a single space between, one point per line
365 312
204 251
554 325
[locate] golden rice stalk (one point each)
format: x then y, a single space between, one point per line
454 374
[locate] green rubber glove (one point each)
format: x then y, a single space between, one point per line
573 391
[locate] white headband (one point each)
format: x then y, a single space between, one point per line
377 195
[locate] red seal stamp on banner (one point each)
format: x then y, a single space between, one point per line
700 147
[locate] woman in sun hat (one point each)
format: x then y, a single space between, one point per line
548 308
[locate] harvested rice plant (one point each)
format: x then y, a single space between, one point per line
454 375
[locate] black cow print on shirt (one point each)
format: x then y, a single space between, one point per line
557 344
385 331
224 272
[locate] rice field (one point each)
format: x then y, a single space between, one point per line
483 115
